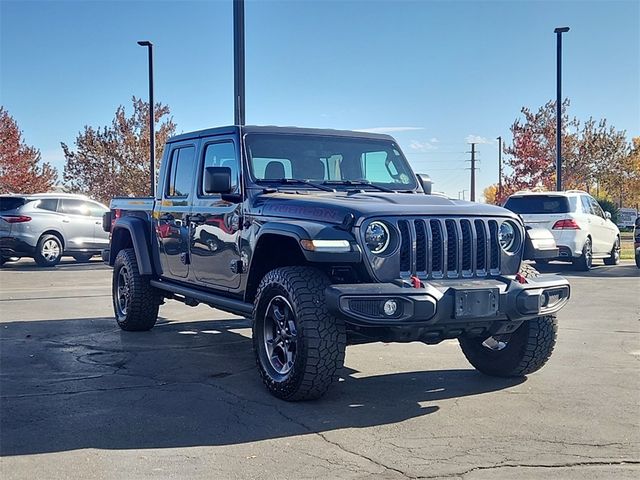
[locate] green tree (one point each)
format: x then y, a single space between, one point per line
114 160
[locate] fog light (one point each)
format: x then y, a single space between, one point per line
390 307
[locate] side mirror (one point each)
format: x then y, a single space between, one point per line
217 180
426 182
607 215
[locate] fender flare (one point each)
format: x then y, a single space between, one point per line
137 229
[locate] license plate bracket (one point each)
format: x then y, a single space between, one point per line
476 303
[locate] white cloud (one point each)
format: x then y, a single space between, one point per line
422 146
478 139
434 140
389 129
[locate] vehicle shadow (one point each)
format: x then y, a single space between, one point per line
73 384
598 271
28 265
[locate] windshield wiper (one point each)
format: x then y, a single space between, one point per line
357 183
299 181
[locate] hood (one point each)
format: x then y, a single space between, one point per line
332 207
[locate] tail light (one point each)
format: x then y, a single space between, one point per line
117 213
566 224
15 218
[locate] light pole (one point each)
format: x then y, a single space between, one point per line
499 166
559 31
238 62
152 138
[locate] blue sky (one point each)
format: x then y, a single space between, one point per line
435 74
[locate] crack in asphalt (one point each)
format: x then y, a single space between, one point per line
532 465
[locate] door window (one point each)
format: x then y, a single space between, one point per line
222 154
181 172
72 206
596 208
586 205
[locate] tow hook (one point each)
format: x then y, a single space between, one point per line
415 282
520 278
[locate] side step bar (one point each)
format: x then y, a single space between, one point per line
216 301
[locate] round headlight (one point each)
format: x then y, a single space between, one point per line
507 236
377 237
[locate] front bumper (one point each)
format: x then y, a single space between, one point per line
449 303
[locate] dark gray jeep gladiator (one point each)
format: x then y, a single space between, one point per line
324 239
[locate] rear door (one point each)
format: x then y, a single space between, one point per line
603 235
172 212
77 224
100 237
215 223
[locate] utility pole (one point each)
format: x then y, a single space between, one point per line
559 31
500 167
238 62
473 172
152 120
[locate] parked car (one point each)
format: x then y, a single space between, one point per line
583 231
327 238
49 225
636 241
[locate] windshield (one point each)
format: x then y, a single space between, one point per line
540 204
273 157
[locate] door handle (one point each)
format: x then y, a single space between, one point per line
196 218
98 223
65 220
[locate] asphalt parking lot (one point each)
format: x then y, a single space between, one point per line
81 399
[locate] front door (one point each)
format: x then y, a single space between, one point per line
214 223
172 228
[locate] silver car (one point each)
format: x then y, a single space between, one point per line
47 226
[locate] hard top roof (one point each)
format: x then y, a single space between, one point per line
233 129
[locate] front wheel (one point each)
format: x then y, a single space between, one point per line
515 354
135 301
299 345
82 257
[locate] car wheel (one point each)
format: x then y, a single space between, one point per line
48 251
637 261
299 345
135 301
585 261
614 257
516 354
82 257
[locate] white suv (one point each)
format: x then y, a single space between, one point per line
583 231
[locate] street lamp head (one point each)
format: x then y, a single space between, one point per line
145 43
561 30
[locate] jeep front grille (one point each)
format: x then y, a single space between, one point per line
449 247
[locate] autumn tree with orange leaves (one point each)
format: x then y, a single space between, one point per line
21 170
114 160
596 156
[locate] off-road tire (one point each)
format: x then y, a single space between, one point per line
3 261
321 338
40 255
141 311
82 257
527 349
637 261
614 256
584 262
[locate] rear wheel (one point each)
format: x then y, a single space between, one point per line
135 301
614 256
585 261
48 251
515 354
299 345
